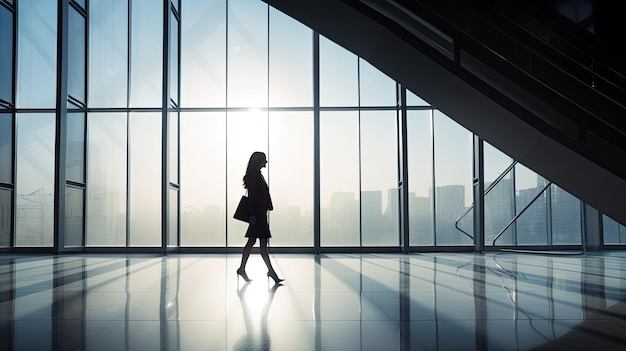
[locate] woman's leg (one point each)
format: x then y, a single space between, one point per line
265 255
246 253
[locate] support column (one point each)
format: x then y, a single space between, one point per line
404 174
479 190
316 143
592 230
165 104
61 127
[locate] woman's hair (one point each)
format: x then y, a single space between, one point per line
254 164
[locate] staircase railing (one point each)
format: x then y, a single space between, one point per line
514 219
487 190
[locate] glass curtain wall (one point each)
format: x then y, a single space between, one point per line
440 179
420 182
358 151
35 132
290 130
452 149
239 78
339 146
203 124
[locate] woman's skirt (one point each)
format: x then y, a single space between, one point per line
259 230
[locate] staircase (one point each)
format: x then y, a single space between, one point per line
513 73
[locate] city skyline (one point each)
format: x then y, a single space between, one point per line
347 220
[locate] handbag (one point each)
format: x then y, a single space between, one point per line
242 212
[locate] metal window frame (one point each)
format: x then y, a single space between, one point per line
173 7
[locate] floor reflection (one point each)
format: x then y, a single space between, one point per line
256 337
452 301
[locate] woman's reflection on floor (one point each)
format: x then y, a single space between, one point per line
255 339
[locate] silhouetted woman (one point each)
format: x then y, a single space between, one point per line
259 202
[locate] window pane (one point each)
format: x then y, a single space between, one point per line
453 180
74 217
495 163
6 55
81 3
379 178
173 58
290 62
530 226
420 169
414 100
34 208
76 56
291 178
339 178
247 53
37 52
566 220
146 59
6 148
376 88
108 53
75 160
107 172
338 75
247 133
614 233
203 56
6 214
145 179
499 202
202 179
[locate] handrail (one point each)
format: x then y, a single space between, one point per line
487 190
493 243
588 71
592 86
558 30
585 94
568 42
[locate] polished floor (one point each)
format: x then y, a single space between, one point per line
438 301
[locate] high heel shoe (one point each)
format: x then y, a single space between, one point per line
243 274
273 276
